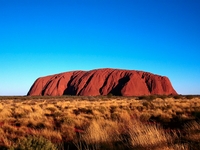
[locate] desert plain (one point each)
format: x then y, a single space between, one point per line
100 122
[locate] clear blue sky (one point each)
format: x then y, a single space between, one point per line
44 37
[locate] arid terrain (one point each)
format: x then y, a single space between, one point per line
100 122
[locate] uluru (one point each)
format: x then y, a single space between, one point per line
103 82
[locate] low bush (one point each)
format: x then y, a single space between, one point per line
189 96
177 96
34 143
149 97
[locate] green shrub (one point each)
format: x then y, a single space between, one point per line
178 96
163 96
196 114
189 96
34 143
149 97
142 97
109 95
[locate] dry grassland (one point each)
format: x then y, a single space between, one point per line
96 123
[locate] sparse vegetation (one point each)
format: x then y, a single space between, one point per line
102 122
34 143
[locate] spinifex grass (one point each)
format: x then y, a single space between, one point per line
100 122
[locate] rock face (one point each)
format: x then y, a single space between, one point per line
102 82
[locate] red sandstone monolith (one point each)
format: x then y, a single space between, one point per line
103 82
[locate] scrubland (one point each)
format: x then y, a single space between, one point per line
102 122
